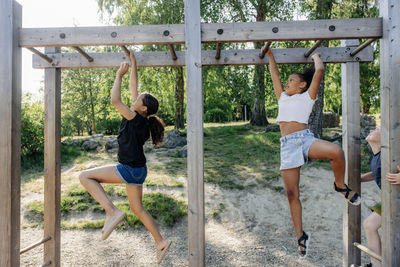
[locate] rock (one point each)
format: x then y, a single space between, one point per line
333 136
272 128
90 145
172 152
112 150
97 136
173 139
330 120
367 121
184 152
111 143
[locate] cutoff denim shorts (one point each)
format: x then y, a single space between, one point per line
294 149
131 176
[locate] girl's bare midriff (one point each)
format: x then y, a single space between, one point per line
288 127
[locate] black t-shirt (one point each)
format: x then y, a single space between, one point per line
132 135
375 164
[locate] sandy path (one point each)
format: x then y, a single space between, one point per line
254 229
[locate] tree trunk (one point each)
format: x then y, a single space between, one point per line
315 120
259 117
91 116
179 97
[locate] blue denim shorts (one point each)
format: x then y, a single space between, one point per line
294 149
131 176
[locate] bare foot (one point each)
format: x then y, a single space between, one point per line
162 250
112 220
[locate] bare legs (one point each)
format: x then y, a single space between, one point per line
91 180
371 225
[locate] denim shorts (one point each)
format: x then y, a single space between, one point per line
294 149
131 176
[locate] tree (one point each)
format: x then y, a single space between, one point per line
136 12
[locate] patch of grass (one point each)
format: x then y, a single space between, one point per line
35 208
82 224
216 212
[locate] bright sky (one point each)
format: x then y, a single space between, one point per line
52 13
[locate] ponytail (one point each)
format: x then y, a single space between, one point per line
156 126
307 76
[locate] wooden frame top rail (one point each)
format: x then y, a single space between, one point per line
228 57
211 33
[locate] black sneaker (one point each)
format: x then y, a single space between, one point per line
303 242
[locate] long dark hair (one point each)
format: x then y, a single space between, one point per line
306 76
156 125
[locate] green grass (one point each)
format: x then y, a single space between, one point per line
162 207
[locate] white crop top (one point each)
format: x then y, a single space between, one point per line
296 107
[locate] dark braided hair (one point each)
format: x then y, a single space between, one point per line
306 76
156 125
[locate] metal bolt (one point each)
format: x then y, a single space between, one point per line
166 33
220 31
62 35
357 58
113 34
275 29
332 28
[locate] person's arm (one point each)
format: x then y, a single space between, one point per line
133 81
394 178
367 177
273 68
116 93
318 75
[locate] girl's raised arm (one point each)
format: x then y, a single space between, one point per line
318 75
273 68
116 93
133 81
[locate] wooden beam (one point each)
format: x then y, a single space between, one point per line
83 53
218 51
390 130
351 147
211 33
172 51
315 46
195 161
52 162
368 251
10 133
265 49
40 54
361 47
126 51
34 245
228 57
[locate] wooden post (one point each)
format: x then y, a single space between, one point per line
390 121
10 132
351 147
52 162
194 85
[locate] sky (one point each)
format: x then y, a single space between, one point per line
52 13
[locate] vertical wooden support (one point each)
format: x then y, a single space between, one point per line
351 147
52 162
390 124
194 85
10 132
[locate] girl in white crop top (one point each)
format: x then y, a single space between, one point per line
298 144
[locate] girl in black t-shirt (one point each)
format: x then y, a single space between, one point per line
138 124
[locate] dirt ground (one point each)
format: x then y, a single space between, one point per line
254 229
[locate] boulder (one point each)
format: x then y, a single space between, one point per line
90 145
111 143
330 120
173 139
184 152
272 128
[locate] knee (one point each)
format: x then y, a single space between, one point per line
338 154
83 177
292 195
137 208
369 225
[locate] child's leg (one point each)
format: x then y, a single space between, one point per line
291 178
91 180
322 149
371 225
135 201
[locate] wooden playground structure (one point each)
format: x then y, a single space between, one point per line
193 33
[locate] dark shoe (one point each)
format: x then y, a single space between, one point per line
303 242
355 200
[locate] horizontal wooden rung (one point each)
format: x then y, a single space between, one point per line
43 240
368 251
